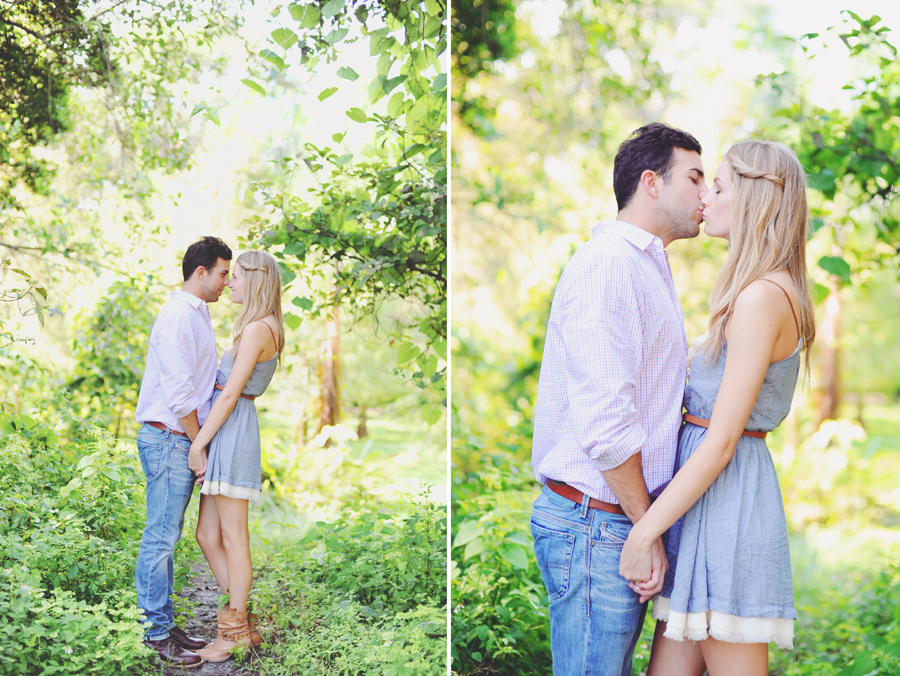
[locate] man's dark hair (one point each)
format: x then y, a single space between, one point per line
650 147
204 253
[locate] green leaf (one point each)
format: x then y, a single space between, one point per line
357 114
407 352
85 461
343 159
331 8
199 107
515 556
213 116
255 86
388 84
476 656
293 321
112 474
836 266
395 105
295 249
379 41
272 58
482 632
427 363
474 548
336 36
325 93
468 531
337 138
307 15
348 74
440 83
284 37
819 293
431 414
302 303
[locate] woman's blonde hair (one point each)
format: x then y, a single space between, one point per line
261 290
768 230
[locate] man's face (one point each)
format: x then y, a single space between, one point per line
678 207
212 282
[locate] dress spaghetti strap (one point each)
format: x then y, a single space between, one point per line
276 342
793 314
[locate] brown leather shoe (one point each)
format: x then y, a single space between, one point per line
180 638
171 653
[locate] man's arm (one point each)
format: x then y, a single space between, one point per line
190 425
627 483
604 355
177 360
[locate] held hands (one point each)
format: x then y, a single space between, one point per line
644 564
197 460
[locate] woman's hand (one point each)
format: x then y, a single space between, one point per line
643 563
197 459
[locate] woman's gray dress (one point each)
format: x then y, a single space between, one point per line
234 466
729 564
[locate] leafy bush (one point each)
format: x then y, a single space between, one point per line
365 594
71 517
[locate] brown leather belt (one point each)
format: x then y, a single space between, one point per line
694 420
162 427
245 396
576 495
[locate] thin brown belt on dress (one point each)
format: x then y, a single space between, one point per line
694 420
245 396
575 495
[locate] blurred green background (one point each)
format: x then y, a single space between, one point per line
542 95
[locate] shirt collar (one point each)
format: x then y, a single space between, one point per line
638 237
190 298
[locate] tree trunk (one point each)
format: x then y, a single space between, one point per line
361 430
829 334
329 394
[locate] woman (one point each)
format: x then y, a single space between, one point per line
729 589
233 472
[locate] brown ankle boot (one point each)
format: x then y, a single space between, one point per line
233 629
255 637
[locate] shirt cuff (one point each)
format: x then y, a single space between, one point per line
185 409
625 446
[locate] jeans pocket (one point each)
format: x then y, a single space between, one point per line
553 551
613 534
151 454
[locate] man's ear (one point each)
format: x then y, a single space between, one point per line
650 182
200 271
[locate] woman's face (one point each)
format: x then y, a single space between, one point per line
235 284
717 203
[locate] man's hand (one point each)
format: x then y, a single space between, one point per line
197 460
659 564
644 564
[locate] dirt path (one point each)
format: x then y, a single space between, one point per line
204 594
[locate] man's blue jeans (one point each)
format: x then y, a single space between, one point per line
164 458
595 618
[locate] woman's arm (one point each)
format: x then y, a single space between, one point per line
254 340
753 328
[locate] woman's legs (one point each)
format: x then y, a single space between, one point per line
674 658
236 537
209 537
735 659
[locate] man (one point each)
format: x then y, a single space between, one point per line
174 401
609 402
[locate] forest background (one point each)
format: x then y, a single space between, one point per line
315 130
542 95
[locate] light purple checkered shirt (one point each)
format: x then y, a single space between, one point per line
613 371
181 363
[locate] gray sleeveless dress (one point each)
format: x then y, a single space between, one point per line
729 564
234 466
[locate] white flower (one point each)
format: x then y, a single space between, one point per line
67 650
388 642
25 588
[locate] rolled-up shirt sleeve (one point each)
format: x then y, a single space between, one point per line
603 339
177 355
